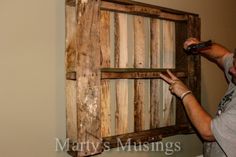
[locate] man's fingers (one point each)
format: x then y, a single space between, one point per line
172 76
167 79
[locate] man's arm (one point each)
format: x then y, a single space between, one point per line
198 116
215 53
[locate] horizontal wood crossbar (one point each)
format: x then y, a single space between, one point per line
137 138
149 136
142 10
138 8
136 73
130 73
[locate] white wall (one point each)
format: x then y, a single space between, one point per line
32 101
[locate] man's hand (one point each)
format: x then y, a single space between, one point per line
190 41
177 87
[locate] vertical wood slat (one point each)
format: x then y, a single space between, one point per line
155 99
168 62
105 84
121 61
70 38
71 109
194 64
181 64
139 62
88 77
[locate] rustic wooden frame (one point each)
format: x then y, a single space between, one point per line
84 75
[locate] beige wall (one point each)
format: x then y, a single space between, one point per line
32 101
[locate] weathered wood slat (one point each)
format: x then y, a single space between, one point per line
168 62
194 65
142 10
148 8
121 61
71 110
70 38
152 135
155 85
88 77
136 74
71 107
131 9
181 64
105 84
139 62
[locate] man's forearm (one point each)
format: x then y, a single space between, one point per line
215 53
199 117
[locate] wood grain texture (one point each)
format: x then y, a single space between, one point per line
148 136
88 77
155 94
71 107
105 84
139 62
168 62
71 110
194 65
121 61
142 10
70 38
127 73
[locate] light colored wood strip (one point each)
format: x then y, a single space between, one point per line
70 38
155 98
139 62
105 84
168 62
88 77
121 57
71 110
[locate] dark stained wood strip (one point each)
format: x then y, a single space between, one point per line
131 3
142 11
136 74
123 73
152 135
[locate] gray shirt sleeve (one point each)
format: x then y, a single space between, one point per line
223 126
228 62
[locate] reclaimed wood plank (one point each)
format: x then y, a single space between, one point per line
105 84
156 86
146 136
139 62
71 107
142 10
88 77
71 110
137 73
181 64
121 61
168 62
70 38
194 65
